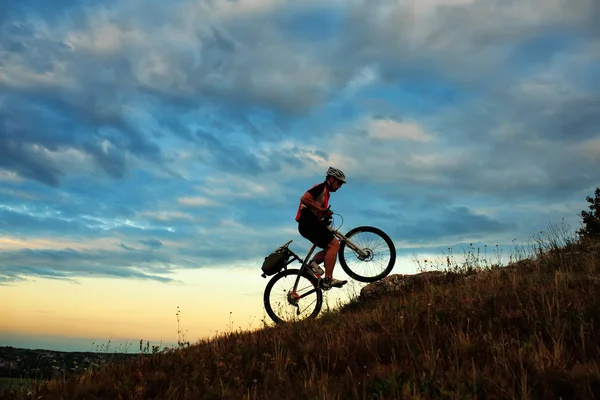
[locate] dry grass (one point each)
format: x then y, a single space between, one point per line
527 331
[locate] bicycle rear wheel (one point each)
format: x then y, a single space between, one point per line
285 305
381 254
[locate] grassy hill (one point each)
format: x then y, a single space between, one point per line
530 330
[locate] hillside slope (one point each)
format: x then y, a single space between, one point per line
529 330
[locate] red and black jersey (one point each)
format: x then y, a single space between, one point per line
320 194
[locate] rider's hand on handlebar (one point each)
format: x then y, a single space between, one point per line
328 216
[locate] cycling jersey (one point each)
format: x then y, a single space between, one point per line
320 194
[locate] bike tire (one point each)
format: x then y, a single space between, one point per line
353 272
268 295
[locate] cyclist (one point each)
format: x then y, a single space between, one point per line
313 218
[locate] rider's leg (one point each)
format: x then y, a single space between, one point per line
310 228
319 257
330 257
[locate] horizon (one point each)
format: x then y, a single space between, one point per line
248 316
152 154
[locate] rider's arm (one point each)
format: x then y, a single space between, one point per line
310 202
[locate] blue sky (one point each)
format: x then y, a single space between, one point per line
139 139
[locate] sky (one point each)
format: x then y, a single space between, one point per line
153 153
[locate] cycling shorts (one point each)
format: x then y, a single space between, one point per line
313 229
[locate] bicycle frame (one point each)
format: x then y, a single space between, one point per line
340 236
349 242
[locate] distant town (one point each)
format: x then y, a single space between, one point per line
48 364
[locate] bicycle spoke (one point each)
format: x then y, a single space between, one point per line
288 307
380 253
380 259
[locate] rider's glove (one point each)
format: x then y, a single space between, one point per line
327 216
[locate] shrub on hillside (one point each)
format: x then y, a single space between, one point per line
591 218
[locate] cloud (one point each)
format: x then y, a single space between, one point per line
152 243
167 215
28 160
462 40
197 201
9 176
71 264
123 123
224 64
124 247
16 193
457 223
591 149
383 128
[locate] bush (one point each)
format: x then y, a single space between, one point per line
591 218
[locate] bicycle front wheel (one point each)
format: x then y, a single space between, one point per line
284 304
380 259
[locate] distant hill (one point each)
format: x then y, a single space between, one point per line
530 330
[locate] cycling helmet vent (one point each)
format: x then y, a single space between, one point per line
336 173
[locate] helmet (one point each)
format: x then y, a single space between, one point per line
336 173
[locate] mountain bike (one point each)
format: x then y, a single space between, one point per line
366 254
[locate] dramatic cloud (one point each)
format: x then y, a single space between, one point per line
140 137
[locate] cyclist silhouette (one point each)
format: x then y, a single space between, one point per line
313 218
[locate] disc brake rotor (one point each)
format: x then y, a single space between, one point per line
369 256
